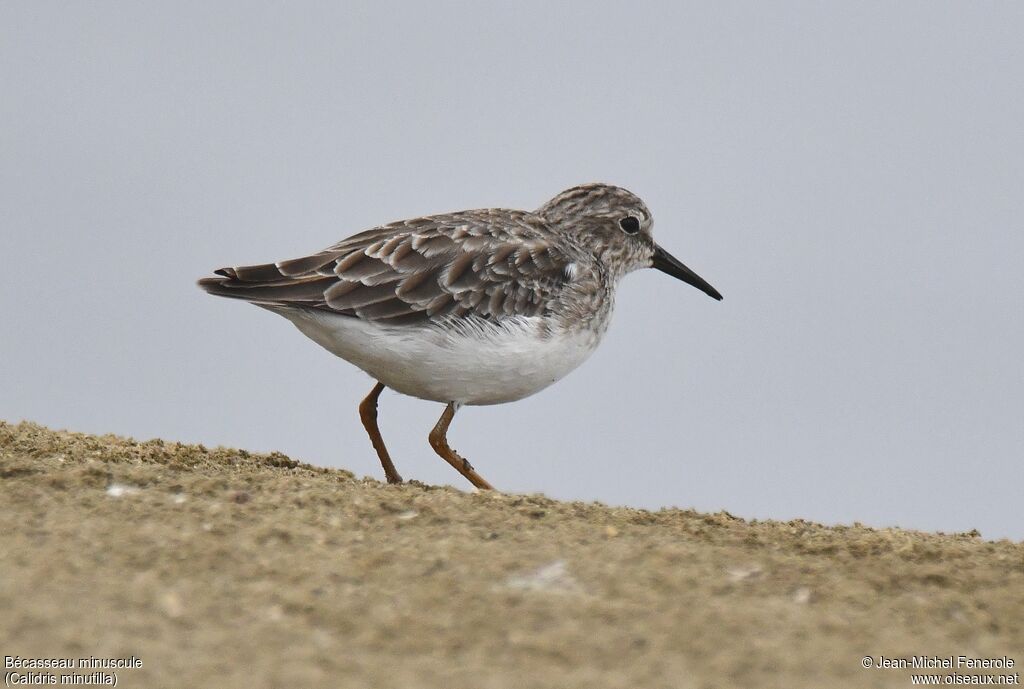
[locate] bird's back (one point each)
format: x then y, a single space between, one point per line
490 264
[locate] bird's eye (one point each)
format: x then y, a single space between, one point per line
630 225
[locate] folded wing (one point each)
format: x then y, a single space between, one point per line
491 264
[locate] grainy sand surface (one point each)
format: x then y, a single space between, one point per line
221 568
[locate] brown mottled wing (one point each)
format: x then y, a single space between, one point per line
491 263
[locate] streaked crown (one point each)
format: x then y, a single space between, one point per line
611 222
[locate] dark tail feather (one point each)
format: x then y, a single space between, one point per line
309 291
220 286
298 282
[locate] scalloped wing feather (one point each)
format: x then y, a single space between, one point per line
491 263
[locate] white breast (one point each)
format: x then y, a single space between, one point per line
476 363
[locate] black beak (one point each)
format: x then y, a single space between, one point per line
667 263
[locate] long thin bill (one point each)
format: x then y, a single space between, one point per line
667 263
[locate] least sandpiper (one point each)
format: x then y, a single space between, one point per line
474 307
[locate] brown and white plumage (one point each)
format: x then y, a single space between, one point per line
473 307
491 264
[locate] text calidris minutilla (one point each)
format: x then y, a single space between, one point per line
474 307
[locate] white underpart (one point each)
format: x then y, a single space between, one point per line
474 363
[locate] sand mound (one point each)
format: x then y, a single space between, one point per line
217 567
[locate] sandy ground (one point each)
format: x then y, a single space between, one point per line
221 568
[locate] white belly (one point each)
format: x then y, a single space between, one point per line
480 364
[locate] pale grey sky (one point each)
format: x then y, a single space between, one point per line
850 176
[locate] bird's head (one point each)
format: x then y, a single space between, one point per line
615 225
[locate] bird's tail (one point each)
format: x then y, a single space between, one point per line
268 283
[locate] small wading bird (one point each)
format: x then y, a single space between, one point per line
474 307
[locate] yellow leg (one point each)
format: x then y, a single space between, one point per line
368 413
439 441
